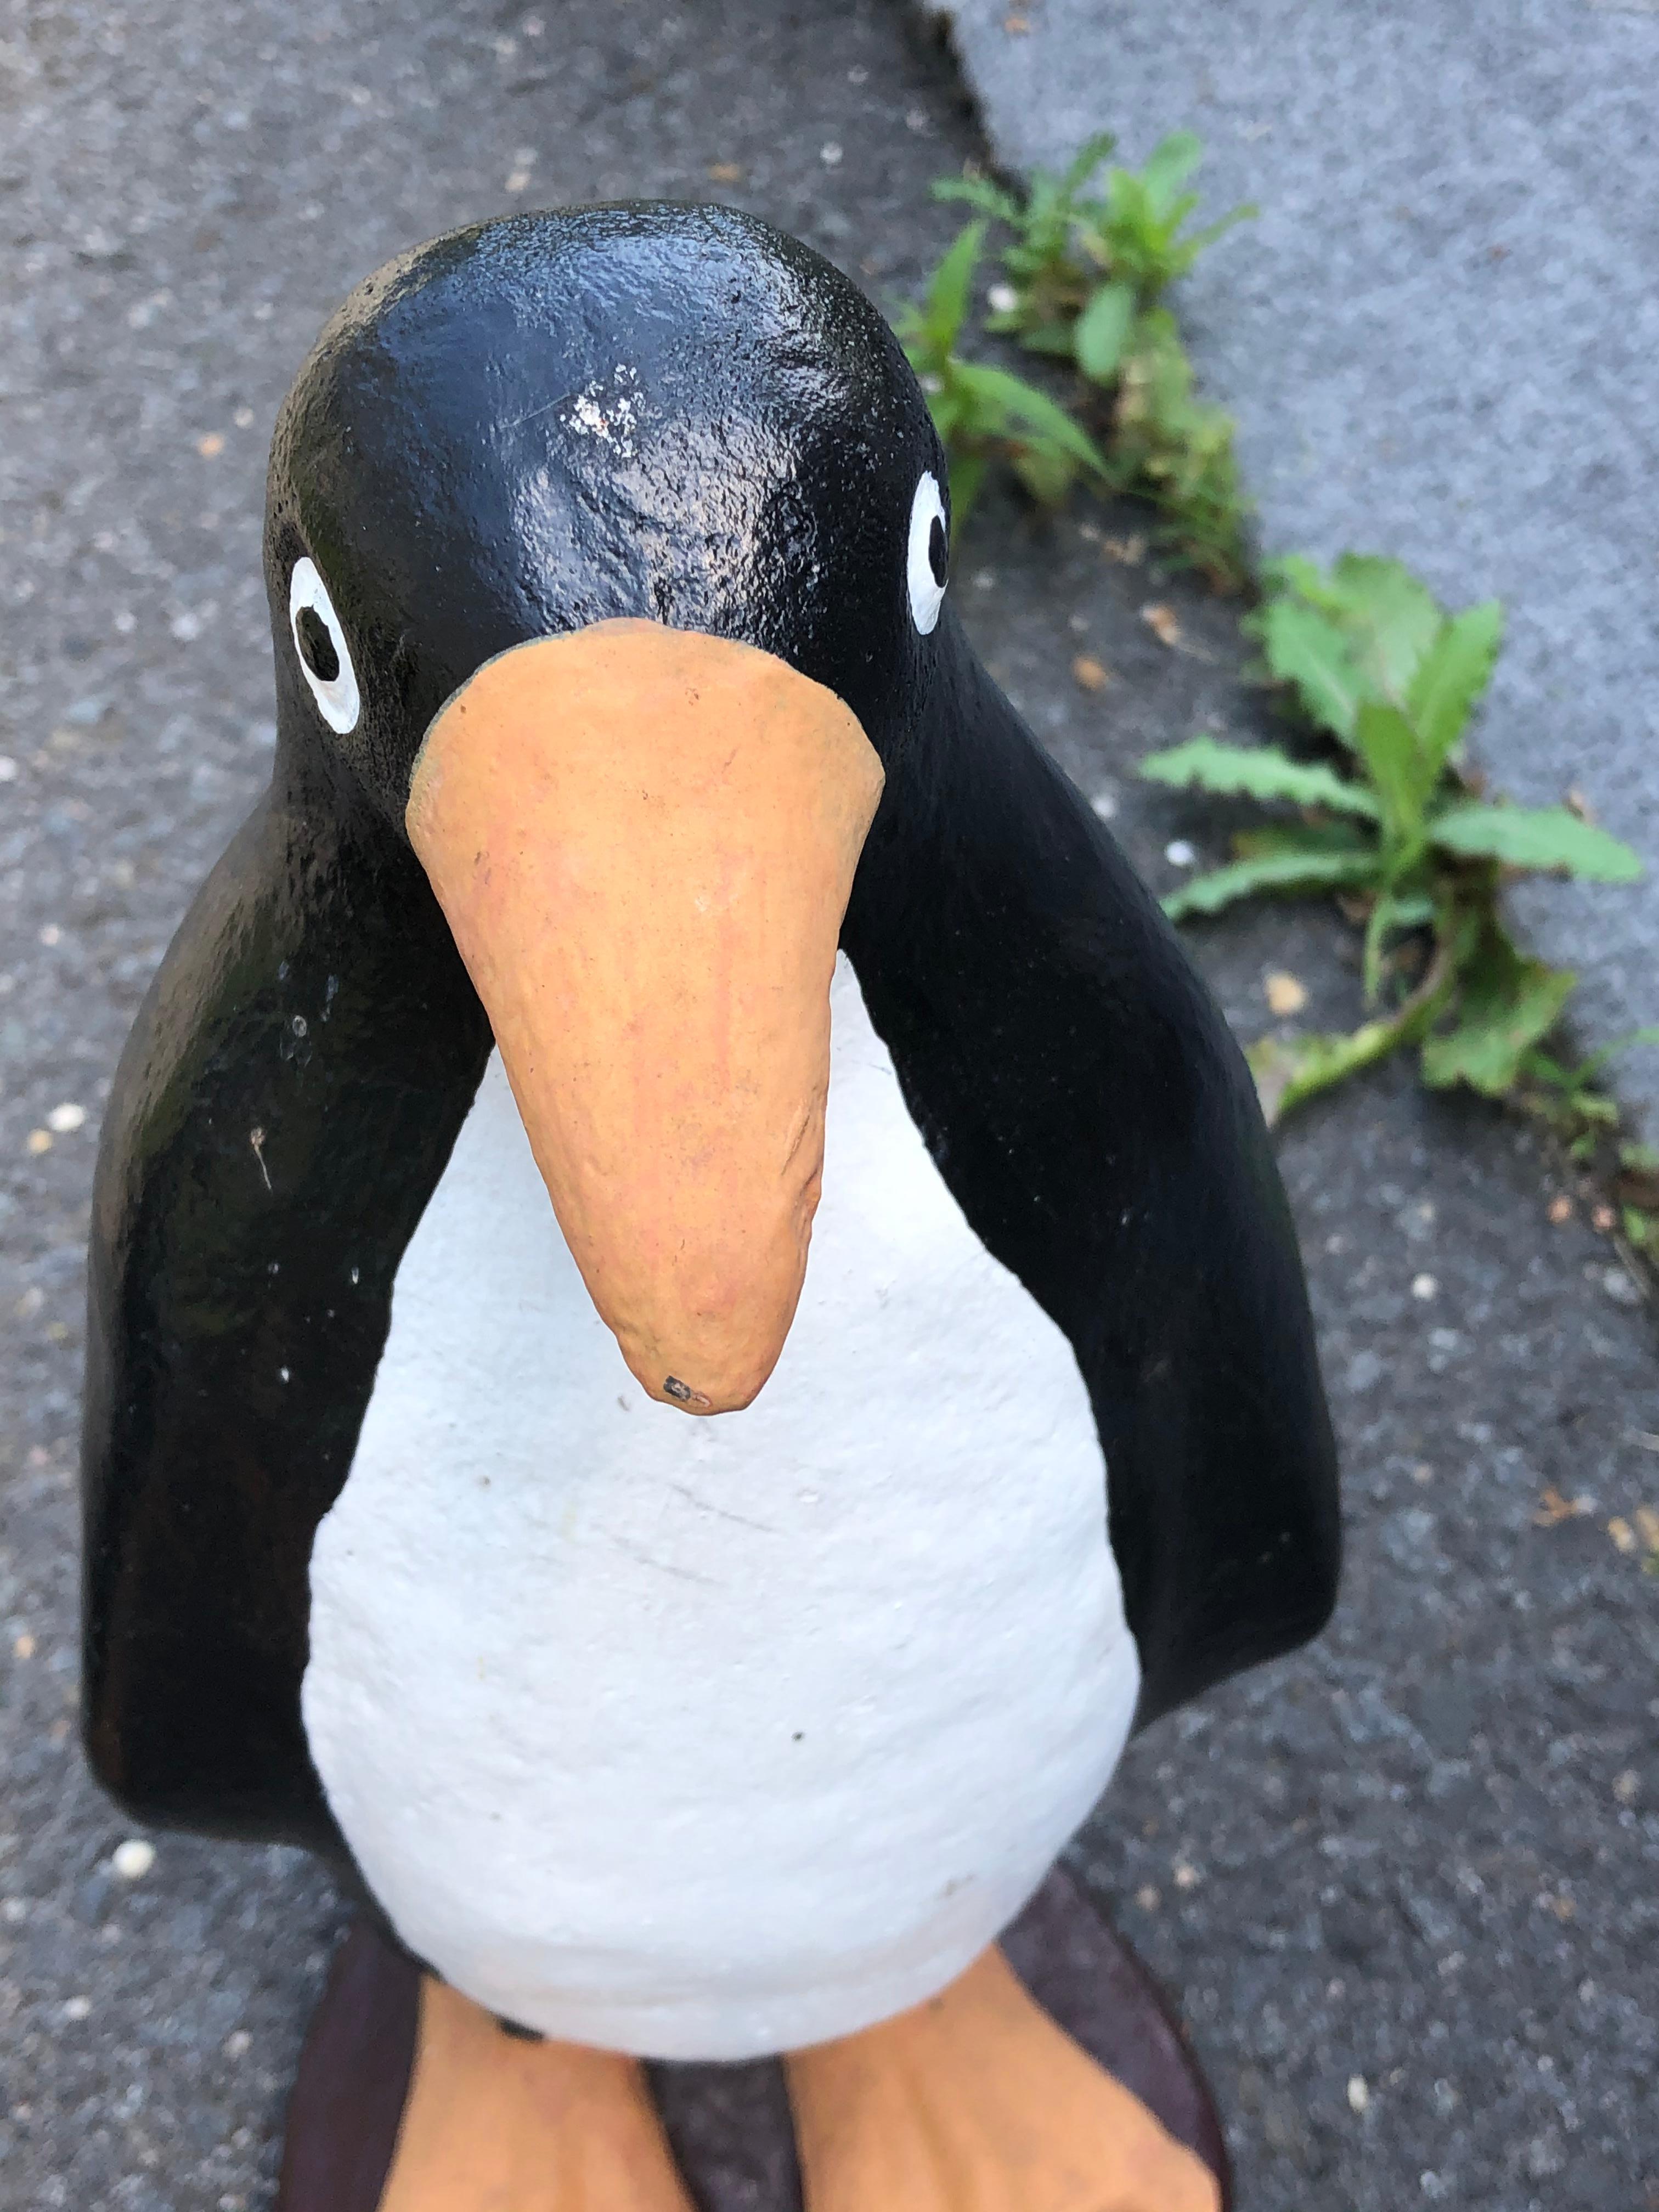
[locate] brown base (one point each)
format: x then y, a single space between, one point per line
729 2126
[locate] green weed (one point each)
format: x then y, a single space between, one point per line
1569 1100
984 414
1395 829
1085 272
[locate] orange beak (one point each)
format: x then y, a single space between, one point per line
644 841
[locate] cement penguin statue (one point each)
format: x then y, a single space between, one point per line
691 1313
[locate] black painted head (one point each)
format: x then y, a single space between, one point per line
551 420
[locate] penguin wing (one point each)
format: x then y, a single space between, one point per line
284 1108
1092 1114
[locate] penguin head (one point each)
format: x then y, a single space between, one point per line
606 553
672 414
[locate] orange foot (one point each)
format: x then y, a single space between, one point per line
977 2102
496 2124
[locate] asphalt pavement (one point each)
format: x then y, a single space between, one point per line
1404 1882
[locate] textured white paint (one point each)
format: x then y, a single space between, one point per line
707 1738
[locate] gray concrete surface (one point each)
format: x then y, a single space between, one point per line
1441 339
1421 1856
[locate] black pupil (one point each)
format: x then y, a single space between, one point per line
938 553
317 647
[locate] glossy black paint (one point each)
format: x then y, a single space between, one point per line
673 412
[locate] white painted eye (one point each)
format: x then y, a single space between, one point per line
928 561
320 643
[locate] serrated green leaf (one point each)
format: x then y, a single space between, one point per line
979 192
1394 614
1289 1070
1394 761
1340 836
1256 771
1027 405
1302 646
1283 874
947 295
1452 676
1167 168
1546 838
1103 330
1506 1004
1087 158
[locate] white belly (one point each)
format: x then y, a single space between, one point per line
710 1738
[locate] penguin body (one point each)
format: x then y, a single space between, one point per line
690 1735
675 1737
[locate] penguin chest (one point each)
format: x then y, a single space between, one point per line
702 1738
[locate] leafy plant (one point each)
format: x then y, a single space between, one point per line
1568 1099
1395 829
1092 262
983 413
1086 269
1178 452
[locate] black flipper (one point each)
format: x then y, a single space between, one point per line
1090 1109
285 1106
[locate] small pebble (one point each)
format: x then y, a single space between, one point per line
1105 805
1002 299
1091 675
1359 2096
1147 1897
1623 1535
1180 854
238 2043
1560 1209
1187 1876
23 1648
133 1859
1425 1286
1627 1785
78 2009
40 1140
64 1119
1162 622
210 447
1620 1288
1285 994
830 155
